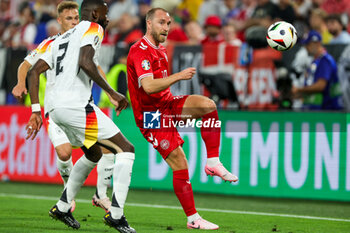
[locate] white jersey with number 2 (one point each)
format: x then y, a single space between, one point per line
71 87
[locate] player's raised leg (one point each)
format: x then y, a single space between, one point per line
198 106
183 190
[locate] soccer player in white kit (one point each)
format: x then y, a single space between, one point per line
72 57
67 17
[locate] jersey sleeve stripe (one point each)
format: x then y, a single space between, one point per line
144 76
94 29
42 47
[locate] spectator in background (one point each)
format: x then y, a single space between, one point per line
264 14
316 3
117 9
212 29
322 89
246 11
318 23
192 6
22 33
341 7
255 27
2 29
144 7
210 7
176 34
336 6
128 33
286 11
344 76
168 5
13 11
194 33
302 8
52 28
5 15
231 10
337 29
45 10
230 36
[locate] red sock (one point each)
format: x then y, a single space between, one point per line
211 135
183 191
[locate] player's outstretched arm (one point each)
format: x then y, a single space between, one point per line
35 120
87 64
20 90
151 85
316 87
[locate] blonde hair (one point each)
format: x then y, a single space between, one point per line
66 5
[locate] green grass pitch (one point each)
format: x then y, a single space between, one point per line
24 208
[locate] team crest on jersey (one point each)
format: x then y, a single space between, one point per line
164 144
146 65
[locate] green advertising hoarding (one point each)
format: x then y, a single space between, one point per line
274 154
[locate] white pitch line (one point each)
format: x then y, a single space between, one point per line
24 196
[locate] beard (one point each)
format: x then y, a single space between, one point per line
158 37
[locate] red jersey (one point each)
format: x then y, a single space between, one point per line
146 59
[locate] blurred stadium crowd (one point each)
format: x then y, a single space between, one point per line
237 23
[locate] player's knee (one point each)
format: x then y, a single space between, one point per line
210 105
177 160
63 156
64 153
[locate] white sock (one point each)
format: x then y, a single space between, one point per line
212 162
64 168
104 174
121 182
193 217
80 172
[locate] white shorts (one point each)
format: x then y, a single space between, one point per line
56 134
84 126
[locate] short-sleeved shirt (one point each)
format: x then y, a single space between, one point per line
146 59
36 54
71 86
324 67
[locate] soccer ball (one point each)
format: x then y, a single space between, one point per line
281 36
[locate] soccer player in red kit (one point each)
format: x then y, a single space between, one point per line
149 88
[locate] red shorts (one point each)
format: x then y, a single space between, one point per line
165 140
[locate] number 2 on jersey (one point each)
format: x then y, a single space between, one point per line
63 47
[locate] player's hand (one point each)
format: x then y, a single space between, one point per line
119 101
188 73
296 93
34 124
19 91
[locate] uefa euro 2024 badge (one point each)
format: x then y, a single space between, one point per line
146 65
